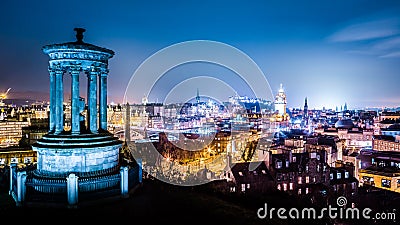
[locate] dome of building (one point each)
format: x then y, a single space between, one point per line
344 123
395 126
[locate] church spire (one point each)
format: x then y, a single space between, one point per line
198 96
305 108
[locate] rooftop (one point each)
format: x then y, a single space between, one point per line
79 44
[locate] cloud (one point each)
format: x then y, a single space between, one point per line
391 55
367 31
388 44
361 52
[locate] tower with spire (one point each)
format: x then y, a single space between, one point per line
305 108
197 96
280 101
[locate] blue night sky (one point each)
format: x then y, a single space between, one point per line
332 52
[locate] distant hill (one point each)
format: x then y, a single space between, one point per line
28 95
21 102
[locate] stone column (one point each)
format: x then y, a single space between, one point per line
124 181
21 188
59 102
52 116
13 169
128 123
75 125
92 101
140 167
72 190
103 100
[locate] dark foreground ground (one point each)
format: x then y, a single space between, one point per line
158 203
153 203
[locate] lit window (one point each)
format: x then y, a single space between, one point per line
315 179
306 190
285 186
28 160
346 174
290 186
279 187
338 175
243 187
294 158
299 191
318 168
278 176
299 180
306 168
386 183
307 179
331 176
248 186
278 164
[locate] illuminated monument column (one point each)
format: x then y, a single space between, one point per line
74 58
75 124
84 163
88 147
103 100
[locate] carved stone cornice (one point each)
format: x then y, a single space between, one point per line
72 54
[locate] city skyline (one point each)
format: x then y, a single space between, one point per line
334 53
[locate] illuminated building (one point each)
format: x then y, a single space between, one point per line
380 169
352 139
11 132
387 179
386 143
388 115
280 106
280 101
19 156
342 181
307 169
392 130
